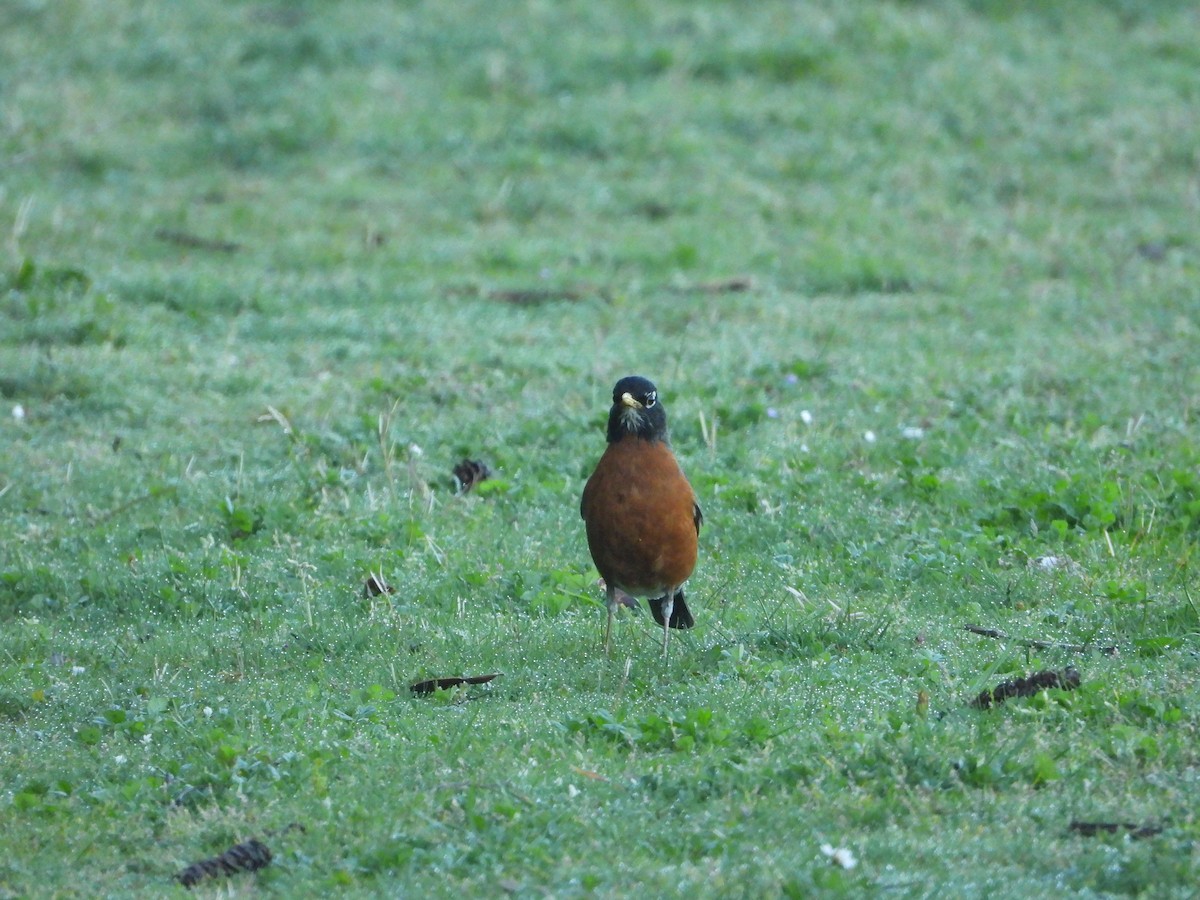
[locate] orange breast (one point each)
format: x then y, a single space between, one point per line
639 511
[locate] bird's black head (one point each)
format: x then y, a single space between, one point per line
636 410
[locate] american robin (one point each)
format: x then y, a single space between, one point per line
643 522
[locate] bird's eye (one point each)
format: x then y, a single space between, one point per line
650 399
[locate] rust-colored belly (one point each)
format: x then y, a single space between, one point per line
640 515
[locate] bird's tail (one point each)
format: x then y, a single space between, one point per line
681 616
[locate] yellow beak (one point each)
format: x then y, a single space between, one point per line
627 400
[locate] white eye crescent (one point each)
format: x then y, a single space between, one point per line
650 399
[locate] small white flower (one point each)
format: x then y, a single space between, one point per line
1052 563
572 791
18 412
415 450
77 670
119 759
839 856
208 712
772 412
805 417
869 436
804 448
146 738
912 432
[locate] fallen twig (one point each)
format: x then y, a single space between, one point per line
1038 645
155 493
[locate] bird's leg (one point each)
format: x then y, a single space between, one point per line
611 602
668 607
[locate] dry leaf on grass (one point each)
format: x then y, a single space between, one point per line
245 857
440 684
1067 679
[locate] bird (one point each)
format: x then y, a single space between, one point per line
640 512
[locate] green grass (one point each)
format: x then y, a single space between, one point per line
255 303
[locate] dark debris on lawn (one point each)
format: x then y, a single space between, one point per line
530 296
249 856
441 684
1135 831
195 242
735 284
1067 679
469 473
375 585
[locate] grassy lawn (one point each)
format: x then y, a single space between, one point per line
919 283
